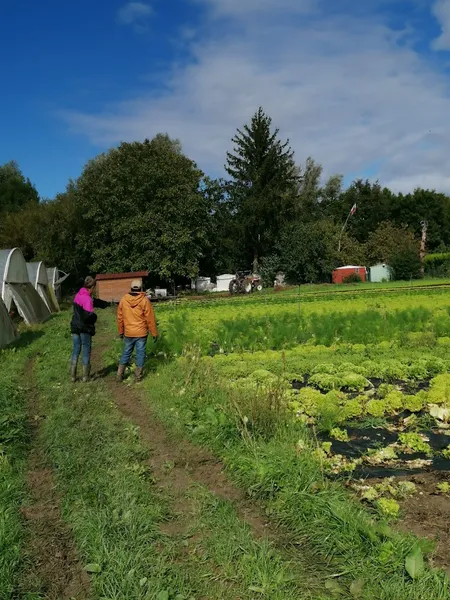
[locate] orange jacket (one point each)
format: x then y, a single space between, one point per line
135 316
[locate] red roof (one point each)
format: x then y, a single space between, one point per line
106 276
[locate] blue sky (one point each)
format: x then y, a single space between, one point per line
364 91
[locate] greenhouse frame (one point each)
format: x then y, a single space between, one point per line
16 288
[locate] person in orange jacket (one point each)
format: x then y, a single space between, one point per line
135 319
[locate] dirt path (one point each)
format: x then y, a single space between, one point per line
177 465
51 562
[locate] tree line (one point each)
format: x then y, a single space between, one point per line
147 206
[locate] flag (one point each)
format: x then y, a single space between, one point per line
353 210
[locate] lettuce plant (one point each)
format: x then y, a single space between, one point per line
325 381
440 389
414 403
354 382
339 434
415 443
388 507
352 408
377 408
394 401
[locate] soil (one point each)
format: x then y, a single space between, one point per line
50 558
427 514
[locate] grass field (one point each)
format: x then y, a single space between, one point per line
286 445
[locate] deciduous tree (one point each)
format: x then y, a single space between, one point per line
143 208
16 192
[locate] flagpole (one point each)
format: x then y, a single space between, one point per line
343 227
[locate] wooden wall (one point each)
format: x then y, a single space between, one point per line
112 290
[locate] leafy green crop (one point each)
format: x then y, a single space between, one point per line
389 507
339 434
415 442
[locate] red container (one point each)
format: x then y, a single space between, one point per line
342 273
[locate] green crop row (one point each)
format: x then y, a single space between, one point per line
335 407
262 326
337 373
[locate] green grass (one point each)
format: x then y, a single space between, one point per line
227 548
13 452
367 285
115 508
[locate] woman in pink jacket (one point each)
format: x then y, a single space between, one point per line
82 327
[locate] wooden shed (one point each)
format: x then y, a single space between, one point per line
113 286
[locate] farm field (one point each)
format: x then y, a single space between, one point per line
366 286
281 446
369 286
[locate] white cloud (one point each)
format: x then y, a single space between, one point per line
237 8
135 14
341 88
441 10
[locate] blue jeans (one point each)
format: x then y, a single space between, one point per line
82 342
140 344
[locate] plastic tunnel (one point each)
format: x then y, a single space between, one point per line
37 273
16 287
8 332
55 279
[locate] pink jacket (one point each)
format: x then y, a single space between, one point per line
84 299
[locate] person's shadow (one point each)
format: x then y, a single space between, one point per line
108 370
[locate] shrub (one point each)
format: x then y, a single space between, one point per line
352 278
406 264
268 269
437 265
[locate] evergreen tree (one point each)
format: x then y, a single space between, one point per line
264 184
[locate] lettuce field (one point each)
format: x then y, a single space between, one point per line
282 445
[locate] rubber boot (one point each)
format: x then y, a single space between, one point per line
86 373
138 374
121 372
73 371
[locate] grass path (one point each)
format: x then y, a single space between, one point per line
51 564
210 518
117 508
